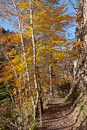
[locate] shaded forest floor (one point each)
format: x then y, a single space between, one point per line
58 116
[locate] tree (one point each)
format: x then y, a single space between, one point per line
39 39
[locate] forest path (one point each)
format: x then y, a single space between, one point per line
59 116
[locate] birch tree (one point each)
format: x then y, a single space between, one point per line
22 45
34 55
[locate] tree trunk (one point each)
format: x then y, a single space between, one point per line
34 57
23 48
26 101
20 106
51 85
80 63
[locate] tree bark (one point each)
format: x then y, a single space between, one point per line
80 63
23 49
51 85
34 56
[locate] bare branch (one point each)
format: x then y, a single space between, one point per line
71 4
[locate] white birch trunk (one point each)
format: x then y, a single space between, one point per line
26 100
51 85
34 111
34 57
20 106
34 53
23 48
34 49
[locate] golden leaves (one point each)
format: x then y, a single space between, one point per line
58 42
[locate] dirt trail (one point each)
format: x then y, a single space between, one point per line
58 117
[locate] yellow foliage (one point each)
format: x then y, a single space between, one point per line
48 25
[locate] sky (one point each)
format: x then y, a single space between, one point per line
70 32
